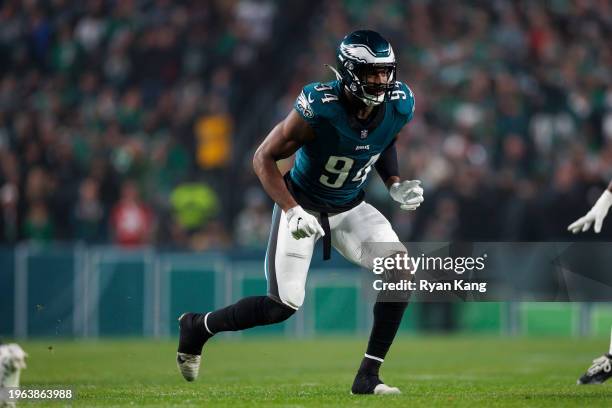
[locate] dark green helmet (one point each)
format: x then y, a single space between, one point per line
366 53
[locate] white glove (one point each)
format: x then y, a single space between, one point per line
597 214
408 193
302 224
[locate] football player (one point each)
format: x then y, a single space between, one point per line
338 130
601 369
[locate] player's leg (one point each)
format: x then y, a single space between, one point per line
600 370
350 230
286 265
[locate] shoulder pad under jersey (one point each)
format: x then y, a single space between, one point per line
403 99
318 100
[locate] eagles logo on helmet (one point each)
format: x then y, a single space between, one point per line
363 53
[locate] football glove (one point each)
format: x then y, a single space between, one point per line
408 193
302 224
595 214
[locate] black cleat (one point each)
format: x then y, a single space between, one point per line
599 372
192 337
371 384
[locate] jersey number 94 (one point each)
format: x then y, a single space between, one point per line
340 167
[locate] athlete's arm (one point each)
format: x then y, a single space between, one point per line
284 140
408 193
595 215
387 165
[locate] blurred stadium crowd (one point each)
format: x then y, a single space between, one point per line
134 121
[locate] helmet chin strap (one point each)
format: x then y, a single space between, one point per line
373 102
369 102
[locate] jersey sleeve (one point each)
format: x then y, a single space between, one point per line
312 104
403 99
304 106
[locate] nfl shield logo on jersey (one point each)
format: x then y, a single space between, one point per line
364 133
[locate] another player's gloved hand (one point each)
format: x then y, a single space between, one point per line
408 193
595 214
302 224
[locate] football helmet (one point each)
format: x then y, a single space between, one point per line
361 54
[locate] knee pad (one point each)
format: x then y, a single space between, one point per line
277 312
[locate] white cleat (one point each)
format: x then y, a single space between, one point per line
368 384
188 365
384 389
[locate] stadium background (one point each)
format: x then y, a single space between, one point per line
127 130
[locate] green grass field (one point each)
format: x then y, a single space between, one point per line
254 372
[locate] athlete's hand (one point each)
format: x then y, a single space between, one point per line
595 214
302 224
408 193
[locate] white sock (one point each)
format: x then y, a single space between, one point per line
611 342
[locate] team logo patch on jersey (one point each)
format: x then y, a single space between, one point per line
364 133
303 105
